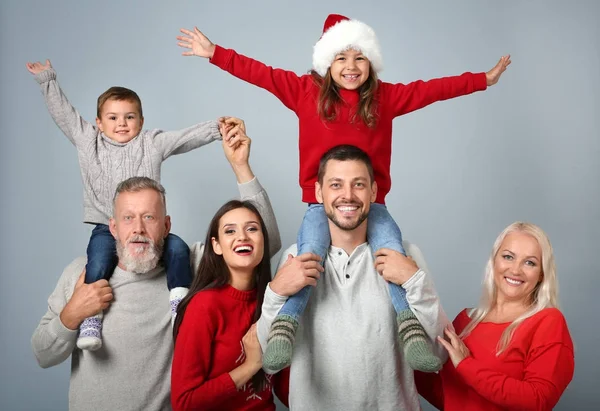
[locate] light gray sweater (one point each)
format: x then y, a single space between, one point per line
346 356
104 163
132 370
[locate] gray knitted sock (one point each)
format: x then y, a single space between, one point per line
280 343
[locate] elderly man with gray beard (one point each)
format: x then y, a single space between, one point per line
132 370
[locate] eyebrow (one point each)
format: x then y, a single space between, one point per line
129 112
529 256
235 224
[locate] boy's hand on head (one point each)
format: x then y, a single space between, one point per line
197 42
37 67
494 74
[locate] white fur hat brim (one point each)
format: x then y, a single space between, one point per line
345 35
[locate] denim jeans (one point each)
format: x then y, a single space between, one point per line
314 237
102 258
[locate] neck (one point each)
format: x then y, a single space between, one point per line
348 240
508 310
242 280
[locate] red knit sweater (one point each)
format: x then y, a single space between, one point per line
300 94
530 375
209 346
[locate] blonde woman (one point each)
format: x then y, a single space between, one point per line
514 351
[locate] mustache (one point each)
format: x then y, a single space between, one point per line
138 239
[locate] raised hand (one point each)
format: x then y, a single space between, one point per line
37 67
394 267
198 44
494 74
236 144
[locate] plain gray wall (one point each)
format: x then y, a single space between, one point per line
526 149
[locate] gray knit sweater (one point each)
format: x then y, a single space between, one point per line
105 163
132 370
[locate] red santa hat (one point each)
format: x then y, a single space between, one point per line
340 34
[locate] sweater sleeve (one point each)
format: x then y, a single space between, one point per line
425 302
405 98
429 386
254 191
190 386
52 342
272 303
548 370
170 143
283 84
66 117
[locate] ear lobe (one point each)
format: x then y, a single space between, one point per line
167 225
216 246
112 226
374 191
99 124
318 192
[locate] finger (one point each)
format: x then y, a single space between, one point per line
308 257
382 252
311 282
186 31
184 45
446 345
313 273
48 62
107 297
198 32
81 279
100 283
187 53
453 337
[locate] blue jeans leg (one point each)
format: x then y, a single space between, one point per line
313 237
176 257
101 255
383 232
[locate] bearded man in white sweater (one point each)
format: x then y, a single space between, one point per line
346 354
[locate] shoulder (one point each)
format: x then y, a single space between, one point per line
548 318
462 319
204 300
547 327
70 275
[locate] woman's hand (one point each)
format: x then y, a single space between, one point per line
252 348
457 350
494 74
236 145
37 67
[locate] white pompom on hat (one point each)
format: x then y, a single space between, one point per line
340 34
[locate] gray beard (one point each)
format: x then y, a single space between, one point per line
143 263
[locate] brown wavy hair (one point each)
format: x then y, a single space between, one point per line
214 273
329 98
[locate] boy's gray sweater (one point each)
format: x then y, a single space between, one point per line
105 163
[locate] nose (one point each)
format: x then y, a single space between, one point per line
516 268
351 63
122 121
138 226
242 235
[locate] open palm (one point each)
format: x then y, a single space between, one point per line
198 44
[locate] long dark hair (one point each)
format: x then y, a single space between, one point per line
214 273
329 98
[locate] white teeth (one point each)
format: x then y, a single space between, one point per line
347 208
513 282
242 248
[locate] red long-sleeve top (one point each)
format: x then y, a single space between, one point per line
530 375
209 346
300 94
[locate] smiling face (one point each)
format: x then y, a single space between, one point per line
240 240
120 120
346 193
350 69
518 267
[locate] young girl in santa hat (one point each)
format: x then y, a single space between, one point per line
342 101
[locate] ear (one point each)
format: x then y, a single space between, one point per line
216 246
318 192
99 124
374 191
112 226
142 122
167 225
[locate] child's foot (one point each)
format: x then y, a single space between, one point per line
415 343
90 333
175 296
280 343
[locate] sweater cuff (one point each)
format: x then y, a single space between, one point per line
58 329
214 130
250 188
480 82
221 57
414 279
45 76
273 297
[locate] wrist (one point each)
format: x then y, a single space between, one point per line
242 172
211 51
70 319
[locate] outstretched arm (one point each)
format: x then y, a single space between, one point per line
405 98
66 117
285 85
236 145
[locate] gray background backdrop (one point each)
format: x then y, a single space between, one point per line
526 149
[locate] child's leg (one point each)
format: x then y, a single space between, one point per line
101 262
313 237
383 232
176 257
